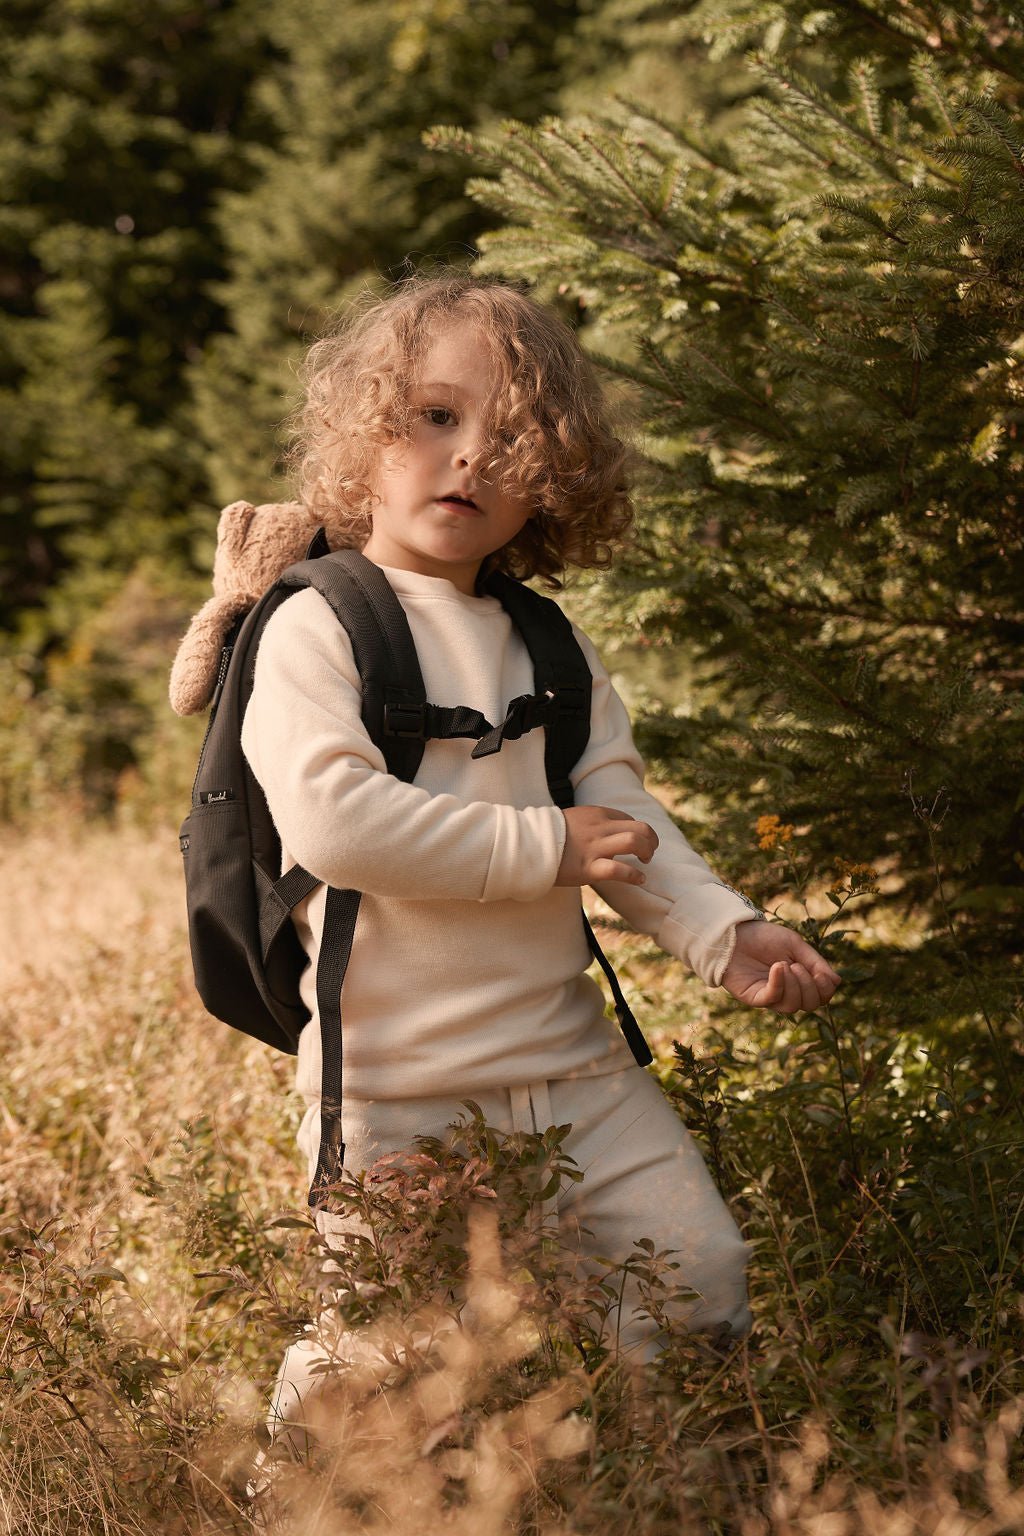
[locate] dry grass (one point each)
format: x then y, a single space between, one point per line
107 1050
147 1298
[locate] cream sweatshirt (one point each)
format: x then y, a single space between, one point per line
468 966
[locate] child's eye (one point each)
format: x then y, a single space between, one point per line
439 415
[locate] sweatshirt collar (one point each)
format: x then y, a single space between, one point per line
413 584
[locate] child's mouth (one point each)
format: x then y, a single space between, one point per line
455 503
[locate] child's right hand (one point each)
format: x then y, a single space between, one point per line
596 839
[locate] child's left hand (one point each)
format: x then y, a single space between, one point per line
772 967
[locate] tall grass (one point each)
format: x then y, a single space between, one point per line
156 1260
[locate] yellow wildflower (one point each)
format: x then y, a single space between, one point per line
851 877
771 831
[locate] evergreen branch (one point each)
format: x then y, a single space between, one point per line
929 85
591 141
774 115
852 707
766 413
823 106
622 369
890 624
881 157
668 385
509 191
860 210
999 126
520 153
582 146
942 45
523 151
669 186
932 821
717 154
864 77
550 127
879 22
698 267
459 141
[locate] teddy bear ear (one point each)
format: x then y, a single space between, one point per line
233 526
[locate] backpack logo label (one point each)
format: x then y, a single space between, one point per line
215 796
183 843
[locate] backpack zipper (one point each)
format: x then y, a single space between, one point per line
222 672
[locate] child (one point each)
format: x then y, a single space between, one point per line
459 427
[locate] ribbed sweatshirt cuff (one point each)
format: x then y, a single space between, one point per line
701 930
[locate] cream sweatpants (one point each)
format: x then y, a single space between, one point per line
643 1177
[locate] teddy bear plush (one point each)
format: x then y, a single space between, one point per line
254 546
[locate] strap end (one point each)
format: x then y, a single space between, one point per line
326 1176
642 1054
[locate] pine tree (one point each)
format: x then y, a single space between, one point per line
122 121
817 318
347 194
191 190
119 121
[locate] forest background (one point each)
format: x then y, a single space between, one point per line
793 236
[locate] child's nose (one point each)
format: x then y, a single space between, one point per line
466 449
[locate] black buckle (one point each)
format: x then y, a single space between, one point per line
515 723
406 721
528 712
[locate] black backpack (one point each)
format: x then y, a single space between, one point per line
246 955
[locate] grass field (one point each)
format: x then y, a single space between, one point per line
148 1292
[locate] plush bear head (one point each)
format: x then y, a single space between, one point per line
254 546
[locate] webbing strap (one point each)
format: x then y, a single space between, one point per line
295 886
433 722
627 1023
365 604
279 900
439 722
443 723
340 913
524 714
559 668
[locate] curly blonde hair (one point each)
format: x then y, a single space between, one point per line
546 431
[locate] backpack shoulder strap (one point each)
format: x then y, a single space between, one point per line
395 710
393 705
393 695
559 667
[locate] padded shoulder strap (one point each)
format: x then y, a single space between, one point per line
559 666
365 604
385 655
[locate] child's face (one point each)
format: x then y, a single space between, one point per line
417 525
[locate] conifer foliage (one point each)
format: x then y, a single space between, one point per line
818 317
193 186
121 121
347 194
